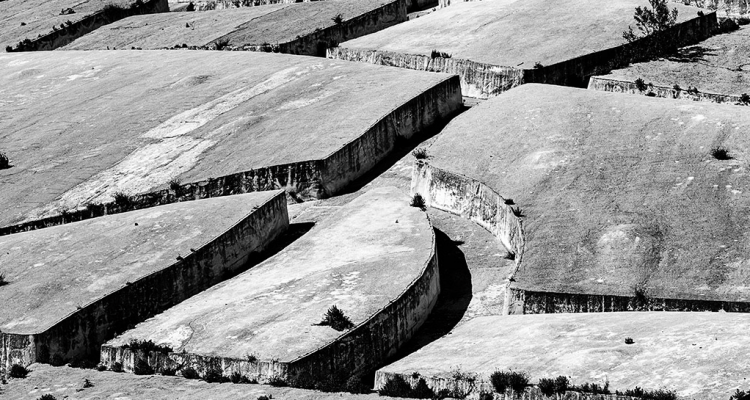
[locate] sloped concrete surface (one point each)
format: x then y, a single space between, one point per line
616 192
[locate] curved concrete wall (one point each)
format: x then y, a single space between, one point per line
605 84
61 37
472 200
731 7
361 349
413 5
81 334
303 180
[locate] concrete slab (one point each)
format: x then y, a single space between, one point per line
272 310
45 25
81 126
718 67
496 45
296 28
698 355
617 193
71 287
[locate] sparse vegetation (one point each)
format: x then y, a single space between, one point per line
18 371
141 367
101 367
659 394
338 19
592 388
336 319
561 384
418 201
190 373
720 153
264 397
439 54
116 367
502 381
147 346
4 161
629 340
356 385
420 153
236 377
640 296
175 185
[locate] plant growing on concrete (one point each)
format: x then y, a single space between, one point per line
87 383
654 26
122 199
338 19
422 391
538 65
4 161
676 88
101 367
518 212
116 367
659 394
141 367
693 90
221 44
214 375
47 397
356 385
592 388
236 377
640 85
336 319
546 386
190 7
745 99
175 185
510 255
439 54
516 381
396 386
18 371
740 395
561 384
190 373
418 201
720 153
420 153
277 381
147 346
629 340
3 281
251 358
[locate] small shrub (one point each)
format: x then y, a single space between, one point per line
745 99
190 7
486 396
502 380
248 380
509 202
147 346
422 391
743 21
236 377
518 212
47 397
356 385
538 65
640 296
396 386
338 19
57 360
116 367
3 281
740 395
4 161
419 153
166 371
336 319
561 384
87 383
123 199
720 153
660 394
629 340
640 85
676 88
18 371
251 358
417 201
546 386
101 367
439 54
693 90
214 375
175 185
141 367
83 363
592 388
653 25
510 256
263 397
221 44
190 373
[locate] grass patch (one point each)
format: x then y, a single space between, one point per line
720 153
336 319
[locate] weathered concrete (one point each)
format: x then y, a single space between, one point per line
46 25
202 5
496 45
698 355
733 8
80 126
718 68
615 191
272 310
74 286
296 28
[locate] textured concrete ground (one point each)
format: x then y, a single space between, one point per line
271 24
699 355
720 64
65 382
54 271
272 310
617 190
513 33
26 19
80 126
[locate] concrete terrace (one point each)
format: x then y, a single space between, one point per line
272 310
80 126
108 273
296 28
699 355
718 67
509 37
615 191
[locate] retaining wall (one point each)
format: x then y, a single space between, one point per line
61 37
412 5
81 334
487 80
361 349
538 302
302 180
619 86
731 7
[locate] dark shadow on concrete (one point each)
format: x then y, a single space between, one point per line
295 231
691 54
402 148
454 299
